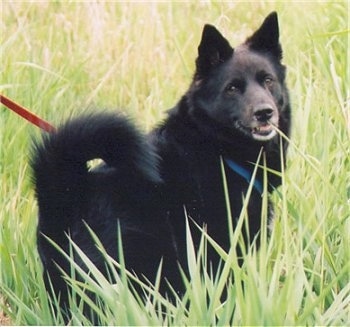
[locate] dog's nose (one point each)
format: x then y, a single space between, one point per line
263 115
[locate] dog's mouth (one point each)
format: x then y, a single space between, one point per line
262 132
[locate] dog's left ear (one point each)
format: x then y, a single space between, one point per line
266 38
213 50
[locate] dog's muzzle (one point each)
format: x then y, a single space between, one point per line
261 125
264 119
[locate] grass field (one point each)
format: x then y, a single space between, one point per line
59 58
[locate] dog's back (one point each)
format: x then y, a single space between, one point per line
124 190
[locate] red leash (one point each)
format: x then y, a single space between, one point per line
26 114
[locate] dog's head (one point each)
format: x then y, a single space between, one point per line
243 89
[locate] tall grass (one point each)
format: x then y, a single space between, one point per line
60 58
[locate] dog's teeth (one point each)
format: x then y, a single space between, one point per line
264 128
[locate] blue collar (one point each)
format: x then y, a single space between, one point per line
247 175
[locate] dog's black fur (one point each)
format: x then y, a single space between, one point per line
236 99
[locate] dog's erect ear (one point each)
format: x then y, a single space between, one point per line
213 50
266 38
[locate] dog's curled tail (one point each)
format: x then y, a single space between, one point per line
59 161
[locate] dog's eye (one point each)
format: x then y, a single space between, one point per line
233 88
268 81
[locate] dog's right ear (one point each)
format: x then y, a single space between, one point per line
213 50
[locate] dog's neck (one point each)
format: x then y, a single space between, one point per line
246 174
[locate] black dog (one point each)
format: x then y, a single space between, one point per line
229 115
